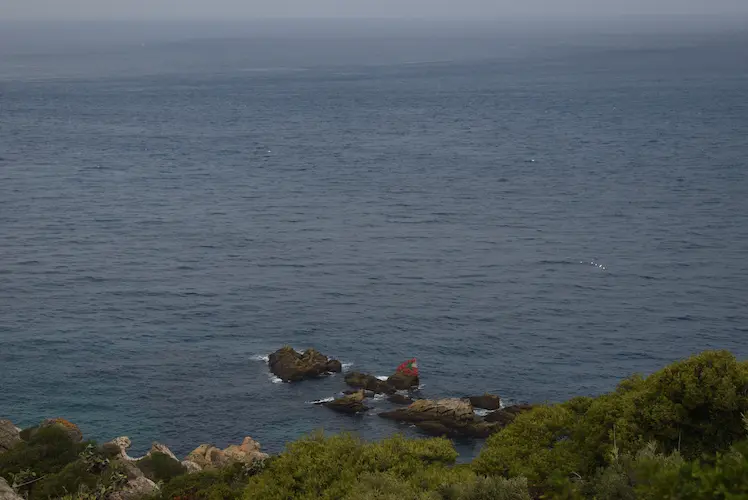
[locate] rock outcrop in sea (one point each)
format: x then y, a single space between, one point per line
291 366
369 382
350 403
448 417
486 402
396 382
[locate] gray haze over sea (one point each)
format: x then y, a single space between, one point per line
528 214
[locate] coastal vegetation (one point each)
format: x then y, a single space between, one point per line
680 433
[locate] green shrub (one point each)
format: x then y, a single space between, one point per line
225 484
47 451
536 445
719 477
329 468
160 467
70 479
387 486
487 488
693 406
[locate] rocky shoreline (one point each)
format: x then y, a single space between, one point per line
448 417
140 475
451 417
629 443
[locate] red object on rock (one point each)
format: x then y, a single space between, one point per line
409 368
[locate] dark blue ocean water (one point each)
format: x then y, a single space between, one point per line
537 221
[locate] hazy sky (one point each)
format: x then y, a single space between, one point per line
233 9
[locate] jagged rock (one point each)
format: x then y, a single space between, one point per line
403 382
290 366
334 366
369 382
135 489
191 466
158 461
131 470
207 456
353 403
248 452
486 401
445 410
452 417
10 435
73 431
161 448
434 428
118 447
507 415
7 493
399 399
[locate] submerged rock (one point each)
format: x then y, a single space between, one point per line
351 404
10 435
452 417
402 382
507 415
486 401
290 366
369 382
399 399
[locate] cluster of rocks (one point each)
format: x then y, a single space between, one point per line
443 417
204 457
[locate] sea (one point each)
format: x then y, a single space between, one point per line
532 213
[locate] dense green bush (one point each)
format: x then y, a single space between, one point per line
224 484
48 450
70 479
537 445
694 407
345 467
51 465
487 488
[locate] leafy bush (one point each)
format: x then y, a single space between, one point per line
487 488
70 479
693 406
47 451
160 467
330 468
536 445
224 484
